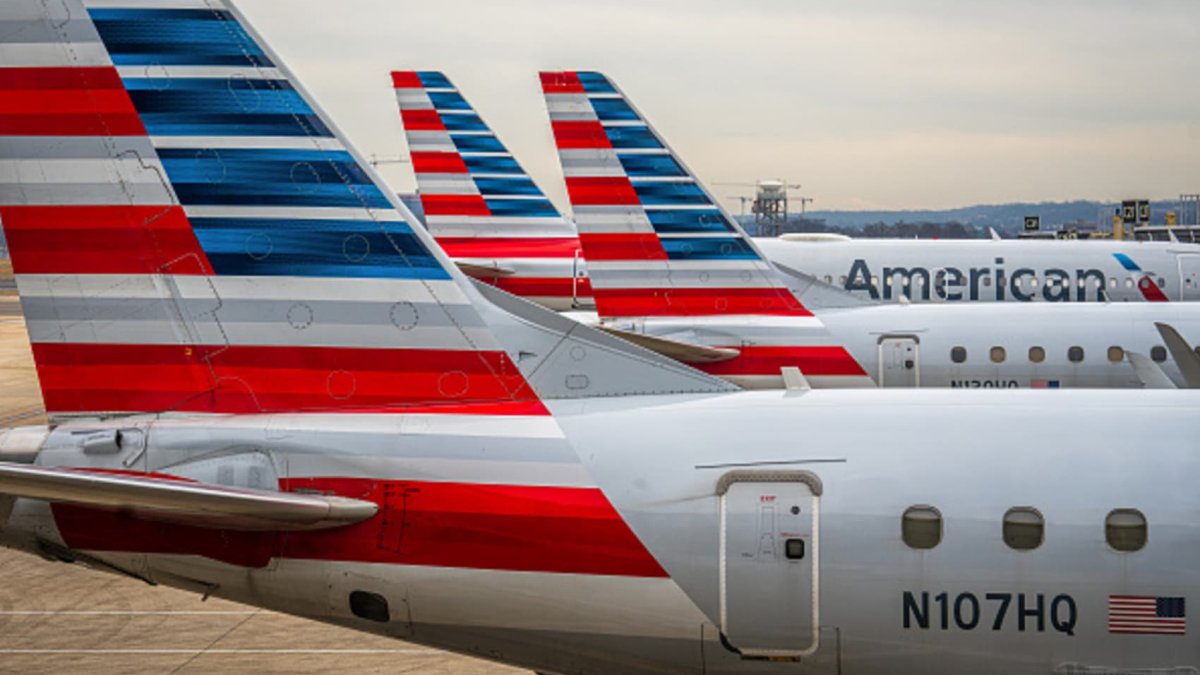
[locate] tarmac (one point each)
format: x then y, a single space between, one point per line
61 618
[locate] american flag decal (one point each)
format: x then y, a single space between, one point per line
1147 615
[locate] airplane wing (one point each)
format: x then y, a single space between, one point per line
1187 360
685 352
1151 375
484 271
182 501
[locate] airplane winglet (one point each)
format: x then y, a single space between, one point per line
1149 372
1187 360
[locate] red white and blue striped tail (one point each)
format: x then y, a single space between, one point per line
481 206
191 233
657 243
662 252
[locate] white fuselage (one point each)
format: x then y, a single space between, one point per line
1012 345
714 488
993 345
989 271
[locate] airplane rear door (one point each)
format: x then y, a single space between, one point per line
899 361
769 562
1189 276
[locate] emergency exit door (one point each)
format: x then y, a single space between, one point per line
769 562
899 361
1189 277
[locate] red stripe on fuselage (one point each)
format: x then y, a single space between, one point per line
80 377
62 101
101 240
638 302
768 361
462 525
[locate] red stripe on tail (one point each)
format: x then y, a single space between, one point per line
438 162
602 191
510 247
561 83
406 79
580 135
454 205
422 120
81 377
66 102
100 240
622 246
632 302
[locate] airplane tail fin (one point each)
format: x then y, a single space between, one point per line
480 204
190 233
659 246
657 243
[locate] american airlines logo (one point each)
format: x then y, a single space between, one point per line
978 283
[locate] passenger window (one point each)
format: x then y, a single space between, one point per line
1158 353
1116 354
844 279
1075 354
921 527
1128 282
1037 354
997 354
828 278
958 354
1024 528
1126 530
1112 282
1162 283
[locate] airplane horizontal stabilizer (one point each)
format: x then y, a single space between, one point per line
818 294
484 272
680 351
181 501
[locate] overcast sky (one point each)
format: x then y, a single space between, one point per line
868 104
